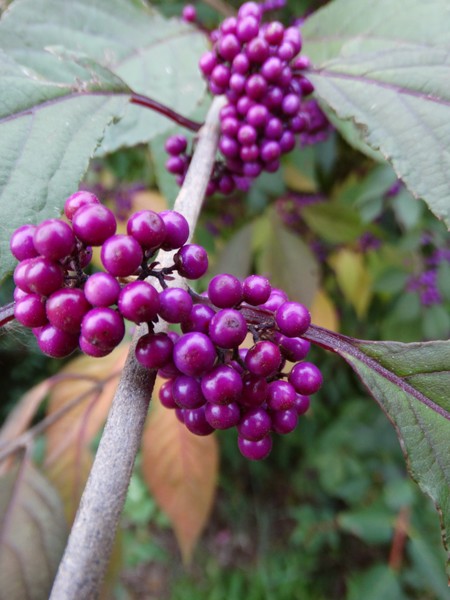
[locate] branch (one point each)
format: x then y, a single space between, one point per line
88 550
6 313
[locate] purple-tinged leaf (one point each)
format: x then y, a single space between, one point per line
411 383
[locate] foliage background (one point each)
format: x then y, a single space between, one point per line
331 513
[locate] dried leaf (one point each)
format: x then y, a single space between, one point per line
180 469
68 455
33 533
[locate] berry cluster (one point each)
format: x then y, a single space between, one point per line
213 382
65 307
258 68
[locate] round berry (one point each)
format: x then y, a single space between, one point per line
174 145
44 276
306 378
54 342
255 450
293 319
147 228
93 224
199 319
177 229
21 242
281 395
54 239
228 328
187 393
154 350
91 350
263 359
225 291
30 311
103 327
222 385
121 255
254 390
229 46
255 424
223 416
284 421
195 421
77 200
191 261
292 349
256 289
102 289
175 305
165 395
207 63
194 354
139 302
189 13
302 404
66 309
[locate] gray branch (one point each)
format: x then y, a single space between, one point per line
88 550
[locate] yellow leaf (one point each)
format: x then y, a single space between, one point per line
180 469
323 312
353 278
296 180
68 457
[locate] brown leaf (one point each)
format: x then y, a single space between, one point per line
68 456
33 533
180 469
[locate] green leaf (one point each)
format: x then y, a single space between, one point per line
334 222
386 68
411 383
285 259
377 582
63 70
33 533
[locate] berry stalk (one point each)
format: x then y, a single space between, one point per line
86 557
165 110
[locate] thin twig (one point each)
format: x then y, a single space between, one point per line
165 110
6 313
86 557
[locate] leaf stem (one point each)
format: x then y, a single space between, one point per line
86 557
165 110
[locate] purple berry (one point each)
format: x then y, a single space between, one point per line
281 395
270 151
93 224
191 261
103 327
293 349
174 145
189 13
247 29
255 450
247 135
223 416
91 350
306 378
102 289
54 239
20 275
187 393
229 126
121 255
274 129
287 141
194 354
240 64
154 350
207 63
229 46
228 25
252 9
176 165
30 311
225 290
274 33
222 385
43 276
165 395
272 68
54 342
77 200
66 309
177 229
195 421
175 305
228 146
256 86
293 319
21 243
255 424
256 289
284 421
221 75
139 302
302 404
147 228
228 328
198 320
257 50
263 359
254 391
291 104
257 115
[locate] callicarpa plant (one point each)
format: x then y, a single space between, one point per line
299 177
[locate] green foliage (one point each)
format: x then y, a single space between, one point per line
386 69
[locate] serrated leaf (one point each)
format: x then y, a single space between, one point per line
180 469
62 74
286 259
411 383
33 533
68 454
386 68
